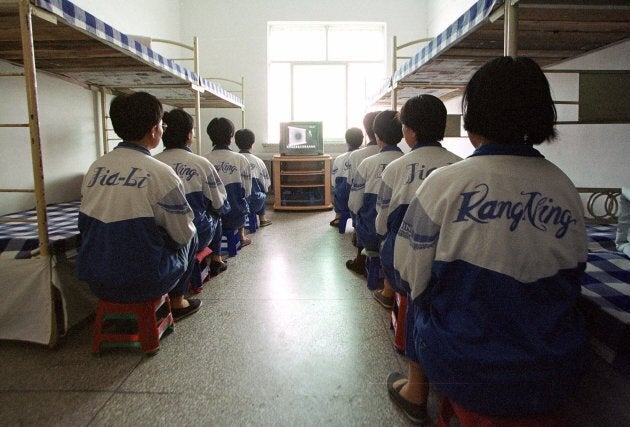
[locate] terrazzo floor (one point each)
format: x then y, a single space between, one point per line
286 336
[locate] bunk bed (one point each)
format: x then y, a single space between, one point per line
41 297
549 31
606 286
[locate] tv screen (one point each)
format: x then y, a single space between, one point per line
301 138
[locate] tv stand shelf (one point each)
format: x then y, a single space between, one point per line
301 183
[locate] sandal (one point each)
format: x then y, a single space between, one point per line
417 414
265 223
334 222
245 242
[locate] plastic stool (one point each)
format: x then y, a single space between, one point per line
201 271
343 219
252 222
374 272
233 240
150 324
399 311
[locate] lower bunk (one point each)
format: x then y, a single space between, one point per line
42 296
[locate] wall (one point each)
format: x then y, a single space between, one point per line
69 114
593 155
233 33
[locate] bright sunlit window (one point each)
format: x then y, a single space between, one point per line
323 71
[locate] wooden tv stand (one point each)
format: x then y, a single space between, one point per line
301 183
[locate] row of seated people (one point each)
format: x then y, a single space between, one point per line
143 219
487 251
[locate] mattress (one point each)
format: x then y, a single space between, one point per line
606 297
20 239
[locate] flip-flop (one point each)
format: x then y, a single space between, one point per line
417 414
245 242
334 222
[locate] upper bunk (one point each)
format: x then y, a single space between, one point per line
548 31
72 44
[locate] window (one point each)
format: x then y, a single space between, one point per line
323 71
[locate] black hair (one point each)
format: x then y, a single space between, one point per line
426 116
388 127
508 101
368 124
133 115
179 124
244 139
354 138
220 130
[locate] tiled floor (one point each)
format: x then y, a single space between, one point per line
286 336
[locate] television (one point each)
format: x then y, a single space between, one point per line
301 138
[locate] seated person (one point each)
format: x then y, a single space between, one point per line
234 170
203 187
261 181
138 239
365 186
492 249
340 170
623 222
354 159
423 120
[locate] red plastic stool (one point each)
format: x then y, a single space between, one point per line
466 418
151 324
399 311
201 271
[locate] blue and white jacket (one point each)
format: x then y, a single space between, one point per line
134 221
234 170
492 249
340 181
204 189
362 202
399 182
357 156
260 181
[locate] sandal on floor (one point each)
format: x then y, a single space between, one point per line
180 313
265 223
245 242
416 413
334 222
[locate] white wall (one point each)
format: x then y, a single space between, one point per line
69 114
233 38
594 155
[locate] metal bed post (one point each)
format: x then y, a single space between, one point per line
394 98
103 93
26 32
197 98
510 30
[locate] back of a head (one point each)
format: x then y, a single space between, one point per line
508 101
133 115
368 124
179 124
426 116
244 139
220 130
354 138
388 127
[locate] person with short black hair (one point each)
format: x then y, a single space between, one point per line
234 170
492 250
366 184
261 181
203 187
339 174
138 239
354 160
423 119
